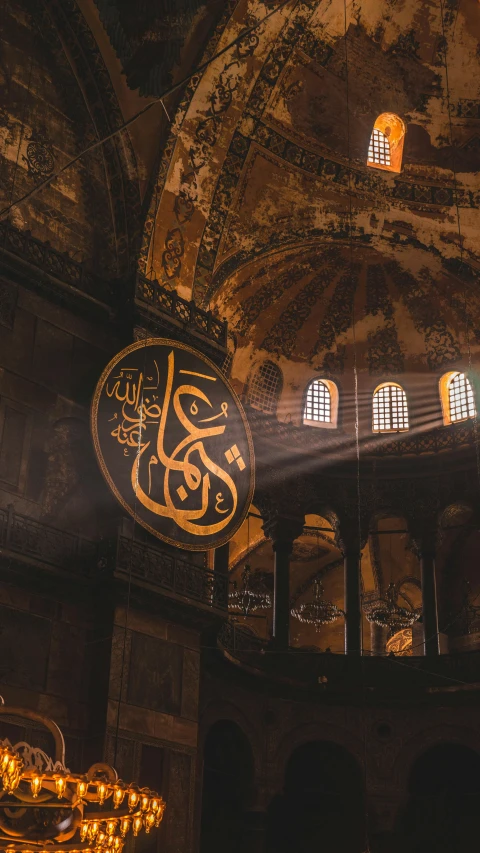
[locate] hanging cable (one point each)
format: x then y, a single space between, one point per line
199 70
357 430
130 568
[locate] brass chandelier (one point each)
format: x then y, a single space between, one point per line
247 598
317 612
45 807
250 596
386 612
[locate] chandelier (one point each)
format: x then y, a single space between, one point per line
384 611
248 598
317 612
44 807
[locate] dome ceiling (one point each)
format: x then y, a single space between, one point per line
266 167
301 305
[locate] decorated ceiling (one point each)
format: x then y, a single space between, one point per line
265 209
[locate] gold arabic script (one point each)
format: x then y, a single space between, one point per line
140 409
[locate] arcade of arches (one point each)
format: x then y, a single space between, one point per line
292 188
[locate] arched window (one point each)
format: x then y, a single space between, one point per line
321 404
390 411
386 143
456 393
265 387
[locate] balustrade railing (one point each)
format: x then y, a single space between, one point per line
35 540
30 538
188 313
169 572
57 264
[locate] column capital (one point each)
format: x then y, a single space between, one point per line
351 537
283 530
423 541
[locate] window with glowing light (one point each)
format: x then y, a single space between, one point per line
390 410
379 149
321 404
385 150
456 393
264 388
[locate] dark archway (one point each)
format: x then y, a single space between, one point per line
322 804
227 786
441 815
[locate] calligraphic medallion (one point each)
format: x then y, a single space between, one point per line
173 443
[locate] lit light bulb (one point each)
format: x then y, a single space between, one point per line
81 789
118 796
93 830
159 815
117 844
124 826
102 791
60 786
155 805
144 802
132 800
110 842
84 830
6 756
101 837
149 821
36 786
137 824
111 826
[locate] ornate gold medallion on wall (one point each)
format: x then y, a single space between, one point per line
173 443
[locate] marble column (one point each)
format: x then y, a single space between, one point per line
378 639
352 606
220 559
283 532
429 596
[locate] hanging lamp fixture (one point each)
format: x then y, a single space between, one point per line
250 596
45 807
317 612
383 610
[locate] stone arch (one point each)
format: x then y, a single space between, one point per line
309 732
92 213
226 710
441 810
321 802
227 789
425 739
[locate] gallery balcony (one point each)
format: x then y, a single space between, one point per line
32 547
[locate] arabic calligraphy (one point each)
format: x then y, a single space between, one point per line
173 443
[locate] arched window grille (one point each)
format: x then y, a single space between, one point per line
385 150
379 149
265 387
460 398
390 410
318 404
